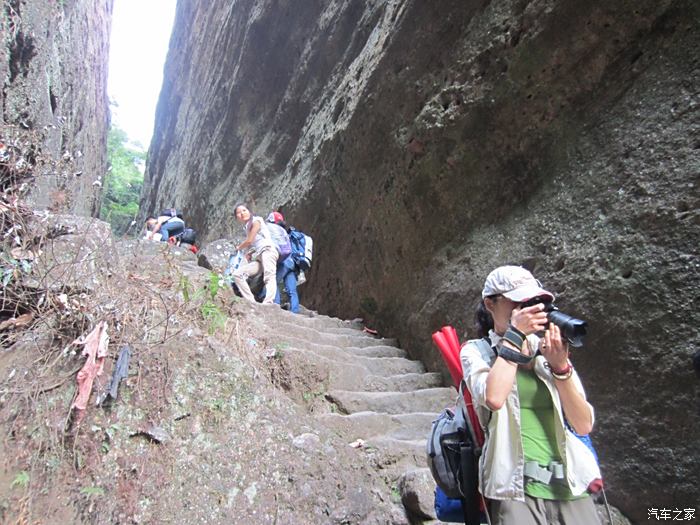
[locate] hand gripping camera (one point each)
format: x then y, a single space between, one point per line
573 329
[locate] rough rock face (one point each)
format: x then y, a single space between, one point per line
421 144
54 86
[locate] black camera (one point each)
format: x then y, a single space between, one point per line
573 329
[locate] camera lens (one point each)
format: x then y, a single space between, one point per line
573 329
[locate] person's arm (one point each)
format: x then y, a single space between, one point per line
149 228
475 370
157 226
254 229
500 380
576 409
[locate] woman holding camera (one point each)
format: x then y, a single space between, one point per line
529 398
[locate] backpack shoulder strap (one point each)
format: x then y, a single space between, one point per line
464 407
484 347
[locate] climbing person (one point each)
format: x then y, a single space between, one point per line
149 225
261 256
287 270
169 224
529 400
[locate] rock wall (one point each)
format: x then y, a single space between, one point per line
421 144
53 69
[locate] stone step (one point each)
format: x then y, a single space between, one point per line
365 425
396 456
315 320
347 331
285 339
321 323
378 351
426 400
401 382
348 369
331 320
319 337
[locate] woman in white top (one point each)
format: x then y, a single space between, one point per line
261 255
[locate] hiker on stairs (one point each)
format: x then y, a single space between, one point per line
287 270
533 469
261 255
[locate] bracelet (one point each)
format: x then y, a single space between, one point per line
563 375
563 371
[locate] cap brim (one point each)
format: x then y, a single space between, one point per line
525 293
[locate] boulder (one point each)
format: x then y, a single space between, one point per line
215 254
417 490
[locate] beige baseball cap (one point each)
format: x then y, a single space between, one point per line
515 283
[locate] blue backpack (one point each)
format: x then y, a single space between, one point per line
302 249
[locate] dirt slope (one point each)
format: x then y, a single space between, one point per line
199 432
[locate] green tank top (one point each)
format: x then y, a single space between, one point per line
538 434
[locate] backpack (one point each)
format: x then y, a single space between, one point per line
455 441
188 236
302 249
465 430
171 212
448 510
281 239
452 451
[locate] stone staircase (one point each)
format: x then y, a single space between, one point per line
375 393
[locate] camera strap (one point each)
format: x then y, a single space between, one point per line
513 356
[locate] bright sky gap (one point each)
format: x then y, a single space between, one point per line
138 47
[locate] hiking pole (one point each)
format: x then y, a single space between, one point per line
607 507
486 508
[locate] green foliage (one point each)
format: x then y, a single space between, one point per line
21 480
217 405
185 288
209 310
311 395
214 315
92 491
216 410
123 183
213 280
11 269
395 494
